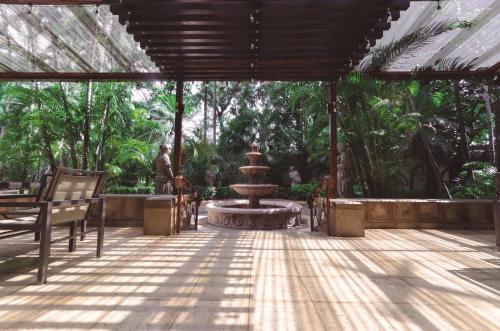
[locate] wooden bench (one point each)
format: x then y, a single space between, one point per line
68 199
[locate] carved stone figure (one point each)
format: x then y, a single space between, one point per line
346 172
163 170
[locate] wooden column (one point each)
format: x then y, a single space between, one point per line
179 111
332 114
496 205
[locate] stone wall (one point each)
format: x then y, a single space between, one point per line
127 210
427 214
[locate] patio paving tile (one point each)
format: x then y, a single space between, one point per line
218 279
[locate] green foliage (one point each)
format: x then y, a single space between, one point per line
295 192
301 191
225 192
382 56
42 125
483 187
206 192
120 189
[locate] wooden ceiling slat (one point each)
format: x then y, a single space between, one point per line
271 39
192 38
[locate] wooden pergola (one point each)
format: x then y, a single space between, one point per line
262 40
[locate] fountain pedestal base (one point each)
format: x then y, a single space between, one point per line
237 214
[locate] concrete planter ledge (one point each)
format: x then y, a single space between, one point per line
418 213
127 210
139 196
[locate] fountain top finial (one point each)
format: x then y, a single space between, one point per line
253 147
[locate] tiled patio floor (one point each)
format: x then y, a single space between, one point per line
217 279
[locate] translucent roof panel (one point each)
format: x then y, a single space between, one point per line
480 42
67 39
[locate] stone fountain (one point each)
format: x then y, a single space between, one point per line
253 213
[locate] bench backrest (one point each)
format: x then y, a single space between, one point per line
72 184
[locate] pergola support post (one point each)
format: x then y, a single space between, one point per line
332 115
179 112
496 204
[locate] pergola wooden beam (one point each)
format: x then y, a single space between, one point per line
52 2
161 76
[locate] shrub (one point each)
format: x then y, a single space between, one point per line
206 192
301 191
121 189
282 192
483 187
225 192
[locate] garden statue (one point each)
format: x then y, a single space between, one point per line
294 176
346 173
210 176
163 169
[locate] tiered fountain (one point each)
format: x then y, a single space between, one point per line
253 213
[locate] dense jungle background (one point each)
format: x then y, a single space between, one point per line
397 139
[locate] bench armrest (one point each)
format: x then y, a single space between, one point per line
23 204
69 203
16 196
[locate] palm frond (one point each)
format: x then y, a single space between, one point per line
450 64
381 57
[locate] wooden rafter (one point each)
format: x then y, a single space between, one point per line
246 39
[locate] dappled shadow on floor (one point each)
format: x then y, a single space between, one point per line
222 279
193 281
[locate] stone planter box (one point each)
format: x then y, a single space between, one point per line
127 210
347 219
424 214
159 216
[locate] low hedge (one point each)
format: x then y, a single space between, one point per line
296 192
121 189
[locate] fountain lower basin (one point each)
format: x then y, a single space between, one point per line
236 214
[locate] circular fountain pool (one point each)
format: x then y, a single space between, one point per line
254 213
272 214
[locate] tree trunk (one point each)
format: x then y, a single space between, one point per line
431 161
98 158
302 155
495 105
464 144
70 128
489 119
86 126
205 113
432 164
359 171
46 141
214 122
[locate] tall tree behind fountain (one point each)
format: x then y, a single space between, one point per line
254 190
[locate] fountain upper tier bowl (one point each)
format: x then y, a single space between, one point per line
254 170
254 189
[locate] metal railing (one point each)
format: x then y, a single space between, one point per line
317 201
190 205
